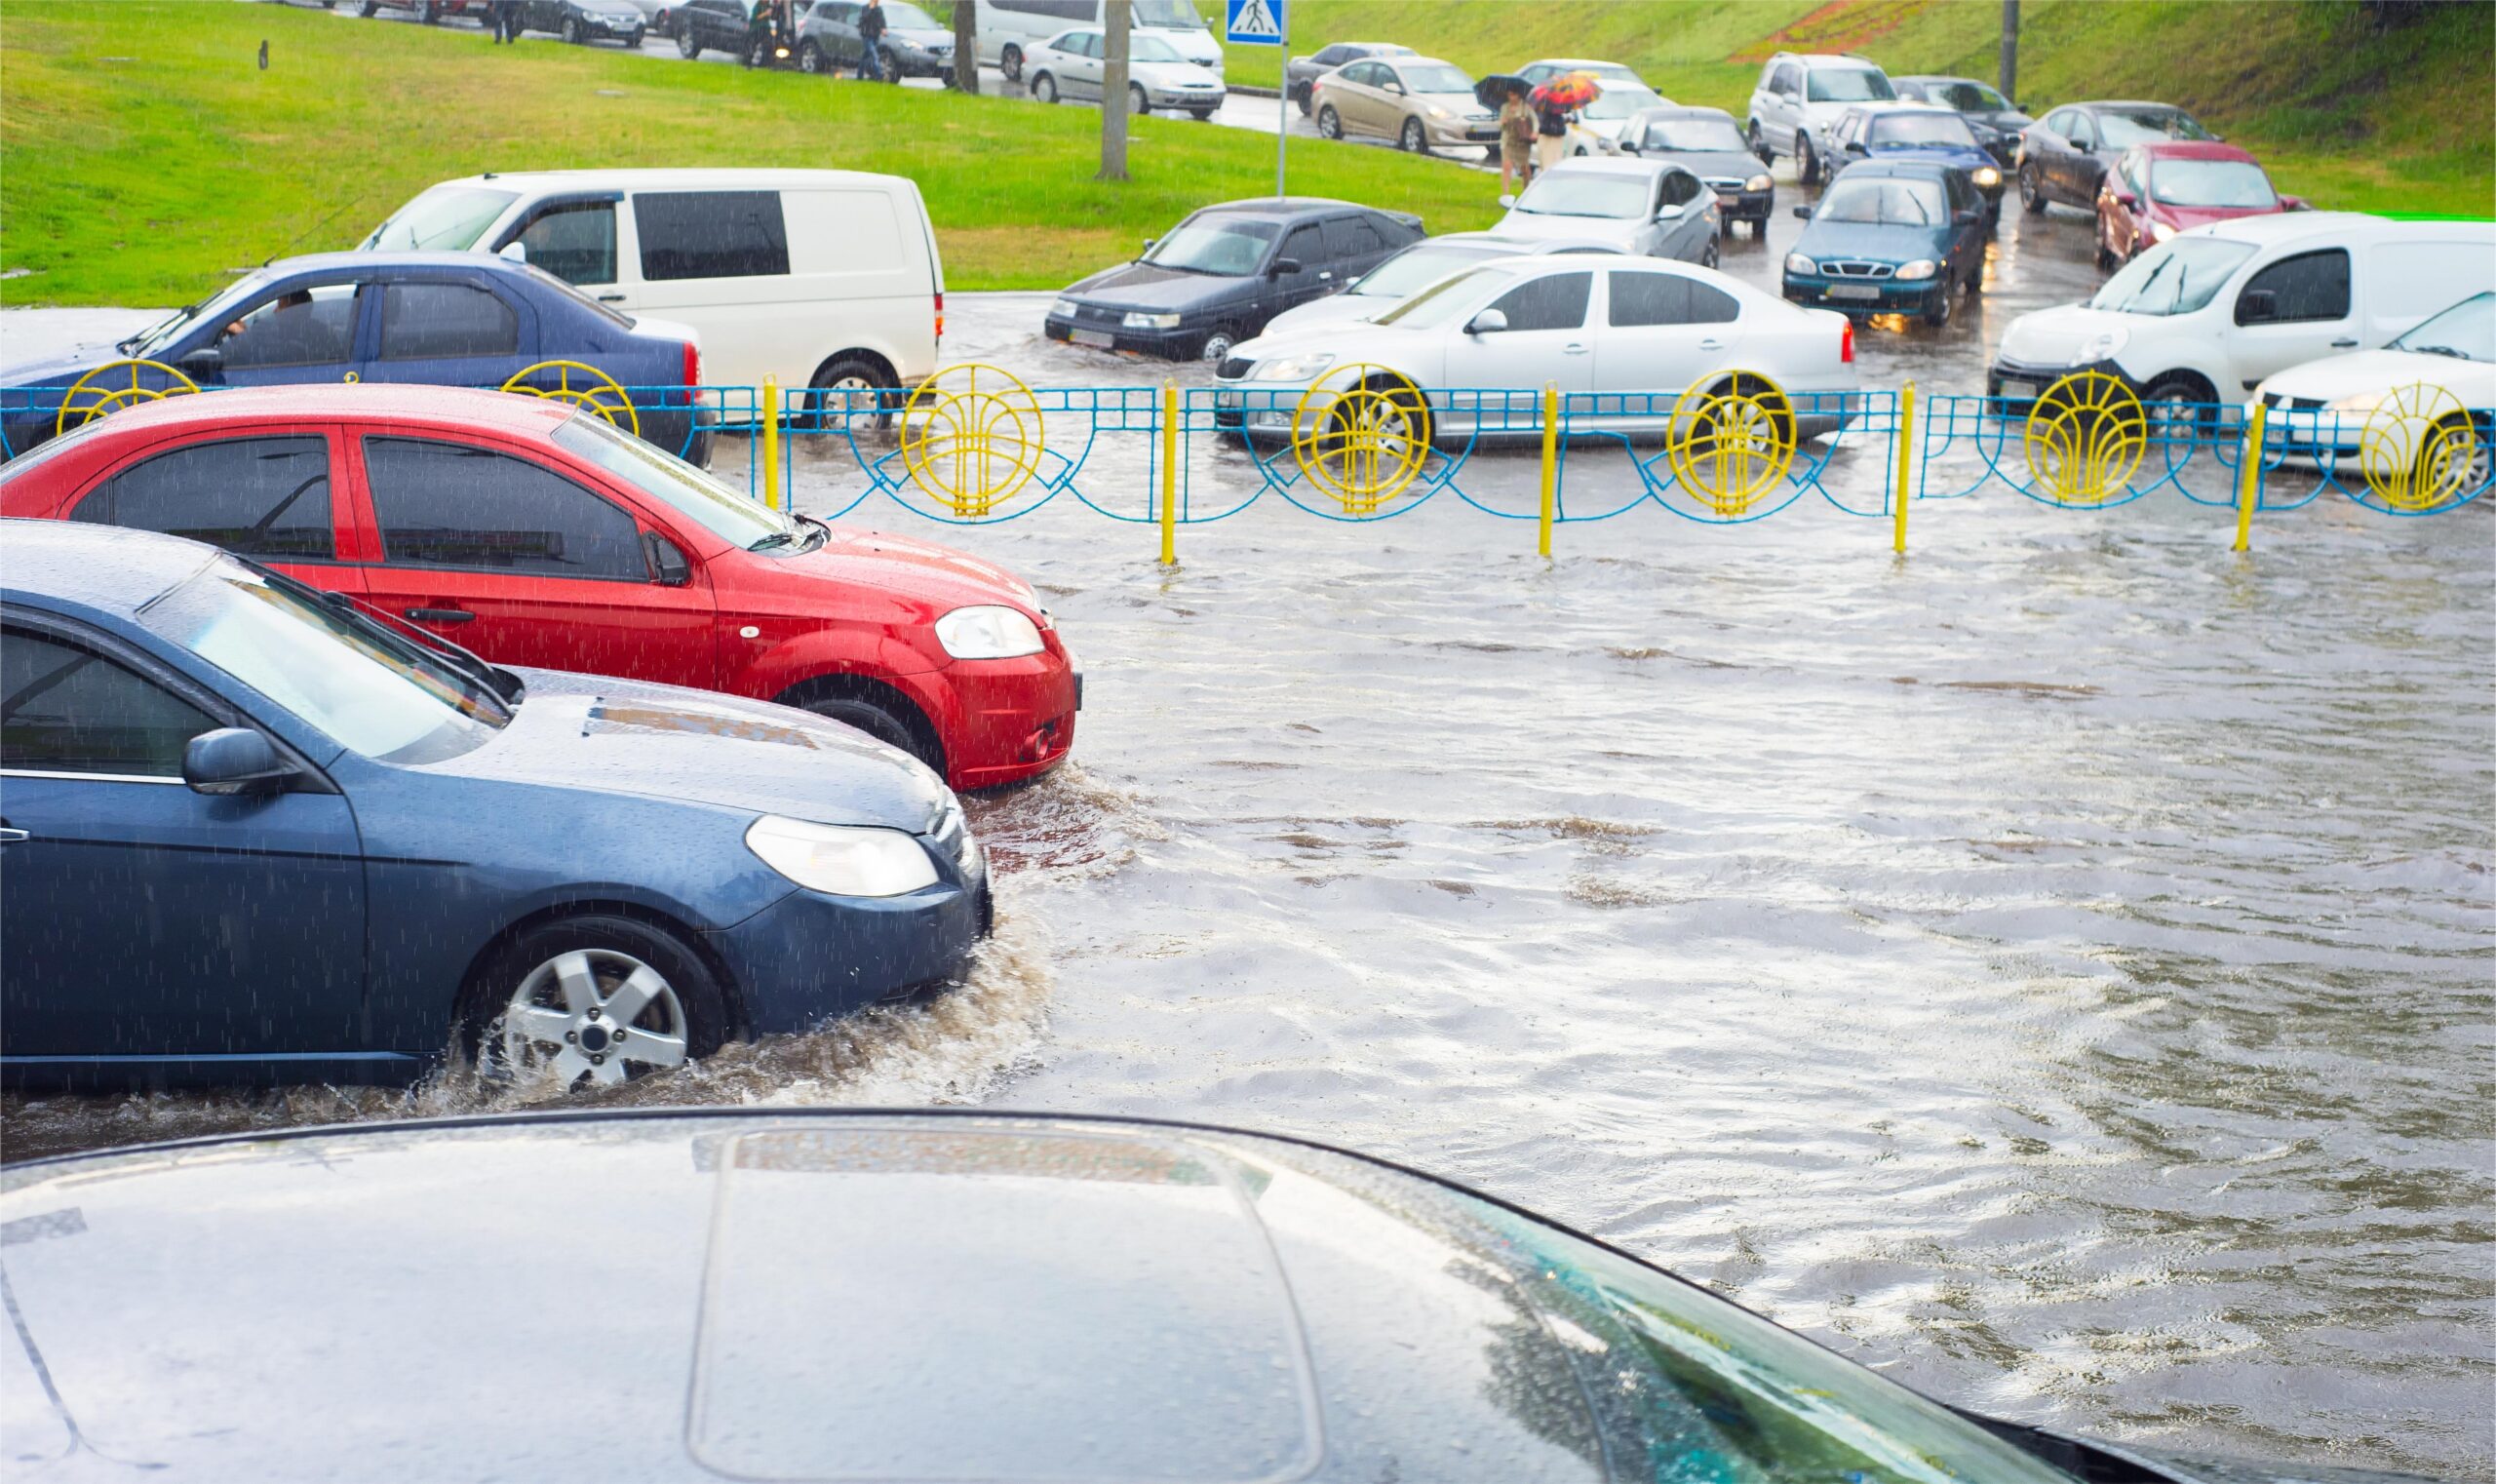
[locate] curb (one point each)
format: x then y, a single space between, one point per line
1242 89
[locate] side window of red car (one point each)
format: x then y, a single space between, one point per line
445 504
264 497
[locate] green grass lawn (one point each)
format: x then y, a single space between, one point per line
143 153
2390 120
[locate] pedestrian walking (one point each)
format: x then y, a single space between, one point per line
1517 142
870 38
506 21
1551 131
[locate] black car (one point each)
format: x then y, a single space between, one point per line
700 1294
582 21
914 44
728 25
1710 145
1225 271
2064 155
1995 119
1300 72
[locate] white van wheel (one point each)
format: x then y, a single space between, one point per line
1010 62
845 387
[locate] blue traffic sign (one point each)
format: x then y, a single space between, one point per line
1255 22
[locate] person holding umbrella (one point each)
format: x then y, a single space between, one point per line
1553 102
1516 140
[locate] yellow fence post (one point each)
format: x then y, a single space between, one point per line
1550 460
771 443
2248 491
1906 447
1169 474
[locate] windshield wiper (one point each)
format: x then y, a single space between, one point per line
178 317
502 686
2436 350
774 540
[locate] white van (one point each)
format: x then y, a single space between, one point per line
2207 315
823 278
1009 30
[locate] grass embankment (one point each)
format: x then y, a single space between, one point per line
143 153
2357 117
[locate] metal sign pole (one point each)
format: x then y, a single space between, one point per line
1282 98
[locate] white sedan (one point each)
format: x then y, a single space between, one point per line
2431 394
1648 207
1512 325
1073 65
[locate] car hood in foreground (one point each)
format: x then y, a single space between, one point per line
939 575
2055 337
2473 383
1146 285
594 732
816 1294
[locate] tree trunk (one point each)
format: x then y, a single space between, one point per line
966 44
1116 16
2008 82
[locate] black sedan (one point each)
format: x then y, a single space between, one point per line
1224 272
582 21
1302 71
2064 156
700 1294
1995 119
1710 145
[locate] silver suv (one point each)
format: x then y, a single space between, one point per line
1801 96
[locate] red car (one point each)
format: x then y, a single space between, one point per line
537 534
2158 190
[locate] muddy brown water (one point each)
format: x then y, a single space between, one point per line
2053 969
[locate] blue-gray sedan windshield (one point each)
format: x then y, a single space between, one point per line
447 218
1886 201
2468 330
723 512
386 700
1231 247
1935 127
1561 194
2174 278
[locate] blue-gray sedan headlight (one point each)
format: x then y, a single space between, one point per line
842 860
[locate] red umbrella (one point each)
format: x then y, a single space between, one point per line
1573 90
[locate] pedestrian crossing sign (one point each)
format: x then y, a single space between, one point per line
1255 22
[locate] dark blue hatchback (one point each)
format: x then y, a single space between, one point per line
1891 237
248 833
1918 131
445 318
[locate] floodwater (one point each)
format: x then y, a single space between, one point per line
2053 968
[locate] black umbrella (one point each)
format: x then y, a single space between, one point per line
1493 91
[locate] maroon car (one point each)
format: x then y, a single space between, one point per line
2158 190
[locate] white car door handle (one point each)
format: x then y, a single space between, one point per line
2344 345
9 837
1574 348
1711 343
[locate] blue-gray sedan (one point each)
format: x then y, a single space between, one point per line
251 834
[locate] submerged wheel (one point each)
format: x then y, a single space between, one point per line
878 720
2032 193
594 1000
1217 346
849 385
1807 159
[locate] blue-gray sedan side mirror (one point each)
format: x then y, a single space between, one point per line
234 759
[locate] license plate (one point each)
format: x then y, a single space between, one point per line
1727 202
2019 389
1098 337
1853 291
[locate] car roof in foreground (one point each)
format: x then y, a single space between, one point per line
660 177
1286 208
366 262
457 407
110 569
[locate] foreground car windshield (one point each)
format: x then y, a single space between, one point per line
1850 85
2177 278
2210 182
722 510
2468 330
1697 135
1891 203
1564 195
1437 305
368 691
2122 128
1413 271
1230 246
451 218
1923 128
1439 78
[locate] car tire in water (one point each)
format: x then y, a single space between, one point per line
2181 406
1300 96
558 993
1807 159
878 720
1707 255
1330 124
1010 62
1937 313
810 60
1759 145
2032 194
1043 88
1217 346
852 382
2474 473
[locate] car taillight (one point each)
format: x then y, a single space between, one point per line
1846 344
940 314
692 363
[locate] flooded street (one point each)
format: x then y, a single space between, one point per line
2054 969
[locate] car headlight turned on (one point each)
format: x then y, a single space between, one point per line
1064 309
1141 320
842 860
2099 346
988 632
2160 231
1758 182
1795 263
2361 401
1293 367
1987 176
1921 268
